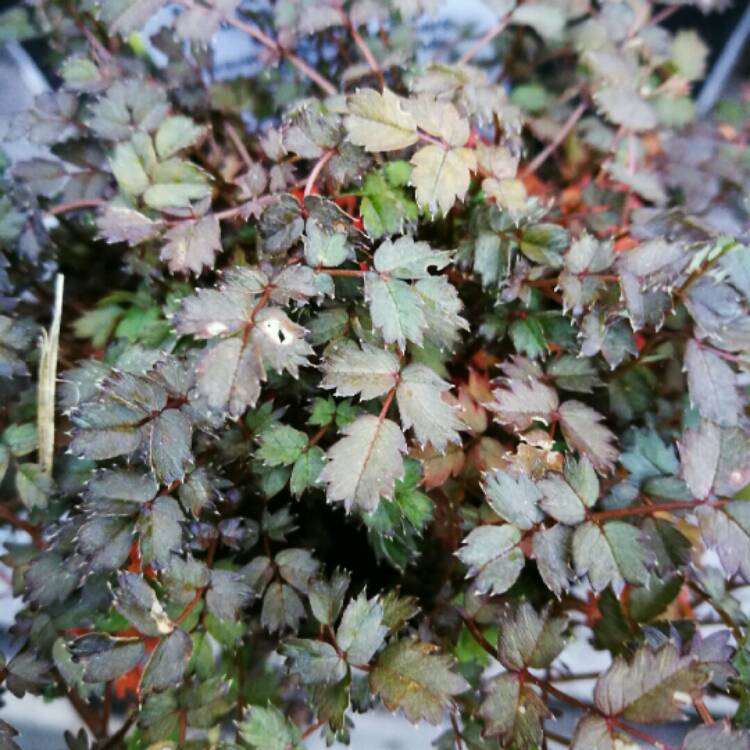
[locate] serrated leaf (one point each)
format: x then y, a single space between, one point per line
718 736
514 498
120 224
523 402
712 385
405 258
268 729
325 248
727 530
412 676
396 310
422 407
361 631
126 16
378 122
192 245
327 597
493 557
169 446
281 445
365 463
441 306
441 176
567 500
136 601
513 712
306 470
367 372
655 687
625 107
612 554
551 549
581 428
174 134
282 608
700 450
528 638
166 665
314 662
439 118
105 658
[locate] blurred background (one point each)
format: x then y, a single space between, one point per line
23 75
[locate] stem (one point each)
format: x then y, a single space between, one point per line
316 170
387 403
364 49
271 44
355 272
483 40
312 728
456 731
62 208
236 139
569 124
647 510
6 514
119 735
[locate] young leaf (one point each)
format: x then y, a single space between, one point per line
412 676
365 463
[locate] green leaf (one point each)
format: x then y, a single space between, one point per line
361 631
281 445
378 122
422 407
412 676
493 557
551 549
712 385
306 470
33 485
365 463
269 729
568 500
129 169
327 597
528 337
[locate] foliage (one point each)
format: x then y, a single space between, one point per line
384 378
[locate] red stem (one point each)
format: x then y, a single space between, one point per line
647 510
316 170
